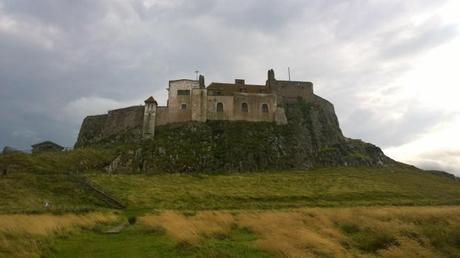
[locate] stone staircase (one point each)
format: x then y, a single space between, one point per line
97 191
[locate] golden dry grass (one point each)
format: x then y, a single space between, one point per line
327 232
295 233
20 235
187 230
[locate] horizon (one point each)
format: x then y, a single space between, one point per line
388 68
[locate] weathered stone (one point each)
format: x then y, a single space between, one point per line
193 133
9 150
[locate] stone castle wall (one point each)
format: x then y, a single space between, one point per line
290 91
162 117
189 100
116 122
124 119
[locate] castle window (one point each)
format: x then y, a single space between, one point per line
183 106
244 107
183 92
264 108
220 107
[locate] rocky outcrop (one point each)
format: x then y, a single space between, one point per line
311 138
9 150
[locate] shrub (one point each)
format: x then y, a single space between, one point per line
373 241
132 220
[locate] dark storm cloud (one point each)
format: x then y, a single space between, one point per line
61 60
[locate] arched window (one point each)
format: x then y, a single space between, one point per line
264 108
183 107
244 107
220 107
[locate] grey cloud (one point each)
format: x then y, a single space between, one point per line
447 160
374 126
126 50
426 36
66 14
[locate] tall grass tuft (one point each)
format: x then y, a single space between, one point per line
20 235
188 230
326 232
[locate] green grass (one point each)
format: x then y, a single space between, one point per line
27 192
243 193
75 161
304 232
328 187
136 241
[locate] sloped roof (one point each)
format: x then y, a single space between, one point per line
47 143
150 100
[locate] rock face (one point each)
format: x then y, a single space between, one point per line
9 150
311 138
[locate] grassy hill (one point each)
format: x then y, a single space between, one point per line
326 187
314 213
28 193
329 187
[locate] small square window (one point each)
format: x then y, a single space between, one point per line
183 93
183 106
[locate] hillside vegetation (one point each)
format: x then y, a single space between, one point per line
307 232
318 187
284 213
25 235
312 138
351 186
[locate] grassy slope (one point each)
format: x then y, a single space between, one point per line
319 187
26 192
241 191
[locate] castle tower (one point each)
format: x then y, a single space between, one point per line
199 101
150 109
270 79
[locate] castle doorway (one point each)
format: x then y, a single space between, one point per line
264 108
244 107
220 107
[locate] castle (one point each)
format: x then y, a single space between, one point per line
191 100
300 129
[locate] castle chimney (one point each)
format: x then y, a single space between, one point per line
271 81
271 75
201 81
239 81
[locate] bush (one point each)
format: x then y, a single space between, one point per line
132 220
373 241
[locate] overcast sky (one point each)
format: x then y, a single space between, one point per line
390 67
